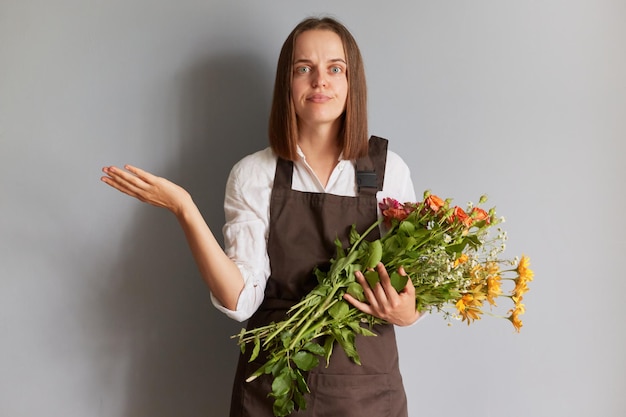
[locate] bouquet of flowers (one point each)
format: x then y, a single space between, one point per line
449 254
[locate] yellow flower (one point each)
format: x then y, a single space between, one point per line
461 260
525 275
514 316
520 289
494 289
493 281
492 268
463 302
476 273
468 307
524 272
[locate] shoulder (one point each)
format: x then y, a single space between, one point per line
260 160
259 164
398 183
396 166
253 172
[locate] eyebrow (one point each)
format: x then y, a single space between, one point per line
306 61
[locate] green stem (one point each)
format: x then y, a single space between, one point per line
364 235
287 322
316 314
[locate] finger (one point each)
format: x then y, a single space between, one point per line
377 297
121 186
367 290
123 181
128 178
364 307
408 287
385 282
140 173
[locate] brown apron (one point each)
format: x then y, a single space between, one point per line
303 227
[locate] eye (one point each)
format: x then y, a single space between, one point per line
303 70
336 70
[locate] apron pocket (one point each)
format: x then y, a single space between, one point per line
350 395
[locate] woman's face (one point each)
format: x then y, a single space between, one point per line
319 86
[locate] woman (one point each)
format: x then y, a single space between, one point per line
284 208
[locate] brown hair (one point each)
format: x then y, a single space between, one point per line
283 124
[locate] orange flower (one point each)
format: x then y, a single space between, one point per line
433 202
395 213
461 216
479 214
393 210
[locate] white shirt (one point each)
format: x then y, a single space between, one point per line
247 212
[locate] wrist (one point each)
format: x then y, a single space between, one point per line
183 207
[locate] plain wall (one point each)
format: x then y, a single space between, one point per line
102 310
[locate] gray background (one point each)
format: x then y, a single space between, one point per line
102 311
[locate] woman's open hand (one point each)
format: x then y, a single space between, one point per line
146 187
384 302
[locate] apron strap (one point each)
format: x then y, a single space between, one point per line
370 170
284 174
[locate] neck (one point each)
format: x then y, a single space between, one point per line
322 150
320 141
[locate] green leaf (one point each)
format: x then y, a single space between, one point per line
356 290
315 348
474 240
299 400
343 263
367 332
372 278
346 338
339 248
305 360
398 282
354 235
358 329
375 254
257 348
329 343
320 275
458 248
406 227
278 367
283 407
321 290
281 384
301 382
339 310
285 338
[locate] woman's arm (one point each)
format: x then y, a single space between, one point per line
219 272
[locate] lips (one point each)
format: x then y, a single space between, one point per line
318 98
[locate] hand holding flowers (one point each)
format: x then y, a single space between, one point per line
383 301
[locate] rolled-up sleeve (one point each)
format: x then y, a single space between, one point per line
245 239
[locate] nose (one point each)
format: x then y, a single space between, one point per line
319 80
